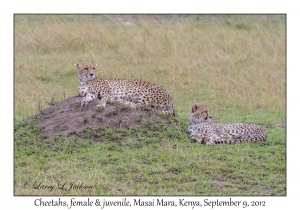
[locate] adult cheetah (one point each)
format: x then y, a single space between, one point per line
129 92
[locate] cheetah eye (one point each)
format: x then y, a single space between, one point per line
86 69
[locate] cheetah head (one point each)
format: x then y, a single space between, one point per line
199 113
86 71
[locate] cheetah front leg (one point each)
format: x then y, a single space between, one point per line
103 101
87 99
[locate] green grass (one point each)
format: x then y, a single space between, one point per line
153 160
233 64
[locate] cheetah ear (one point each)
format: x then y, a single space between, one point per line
77 66
95 64
194 108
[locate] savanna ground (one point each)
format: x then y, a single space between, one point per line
235 64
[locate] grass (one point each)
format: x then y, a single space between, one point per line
153 160
234 64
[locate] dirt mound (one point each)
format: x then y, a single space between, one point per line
68 115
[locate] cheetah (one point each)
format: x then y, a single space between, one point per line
204 131
129 92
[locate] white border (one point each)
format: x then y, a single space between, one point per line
236 6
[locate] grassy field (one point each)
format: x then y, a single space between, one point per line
235 64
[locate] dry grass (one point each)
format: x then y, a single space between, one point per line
227 62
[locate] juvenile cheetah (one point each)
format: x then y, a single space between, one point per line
206 132
131 93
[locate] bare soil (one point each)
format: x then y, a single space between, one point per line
68 115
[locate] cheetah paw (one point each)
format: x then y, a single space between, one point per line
101 106
83 104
